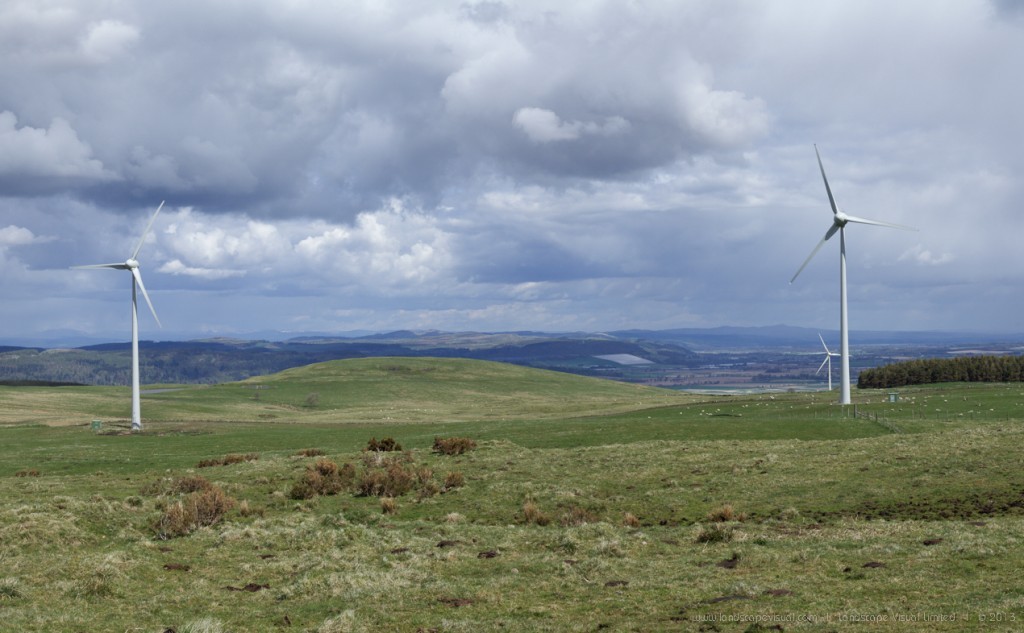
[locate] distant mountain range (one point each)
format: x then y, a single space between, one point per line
624 354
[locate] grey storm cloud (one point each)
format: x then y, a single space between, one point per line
507 164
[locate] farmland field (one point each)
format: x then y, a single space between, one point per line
585 505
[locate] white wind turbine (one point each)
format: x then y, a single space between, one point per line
132 264
828 360
839 222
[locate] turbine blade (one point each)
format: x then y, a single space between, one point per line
142 239
857 220
823 344
828 234
120 266
828 190
145 295
822 366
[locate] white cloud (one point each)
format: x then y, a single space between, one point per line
544 126
176 267
918 253
53 152
16 236
107 39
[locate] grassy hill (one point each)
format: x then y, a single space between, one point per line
586 505
395 390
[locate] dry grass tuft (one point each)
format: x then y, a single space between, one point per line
630 520
576 516
532 514
311 452
725 514
453 480
716 533
388 505
27 472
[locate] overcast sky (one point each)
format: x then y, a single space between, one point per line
503 165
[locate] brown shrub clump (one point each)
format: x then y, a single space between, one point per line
393 480
631 520
27 472
323 478
453 445
311 452
189 483
388 505
227 460
388 444
198 509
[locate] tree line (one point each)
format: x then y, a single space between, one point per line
933 370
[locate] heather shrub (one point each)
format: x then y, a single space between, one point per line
189 483
453 445
322 478
392 480
197 509
386 445
227 460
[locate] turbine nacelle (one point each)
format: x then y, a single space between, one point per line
131 263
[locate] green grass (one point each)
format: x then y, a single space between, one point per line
911 511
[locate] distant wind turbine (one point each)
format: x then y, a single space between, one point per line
132 264
828 360
839 222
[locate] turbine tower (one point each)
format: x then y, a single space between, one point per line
132 264
828 359
839 222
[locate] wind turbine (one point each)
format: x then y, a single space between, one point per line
839 222
132 264
828 359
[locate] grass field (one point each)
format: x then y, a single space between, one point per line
586 505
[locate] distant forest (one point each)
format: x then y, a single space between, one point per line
932 370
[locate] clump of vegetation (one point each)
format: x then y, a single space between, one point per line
716 533
453 445
323 478
453 480
393 480
630 520
229 459
388 505
532 514
576 516
725 514
27 472
311 452
386 445
190 483
9 588
312 400
198 509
